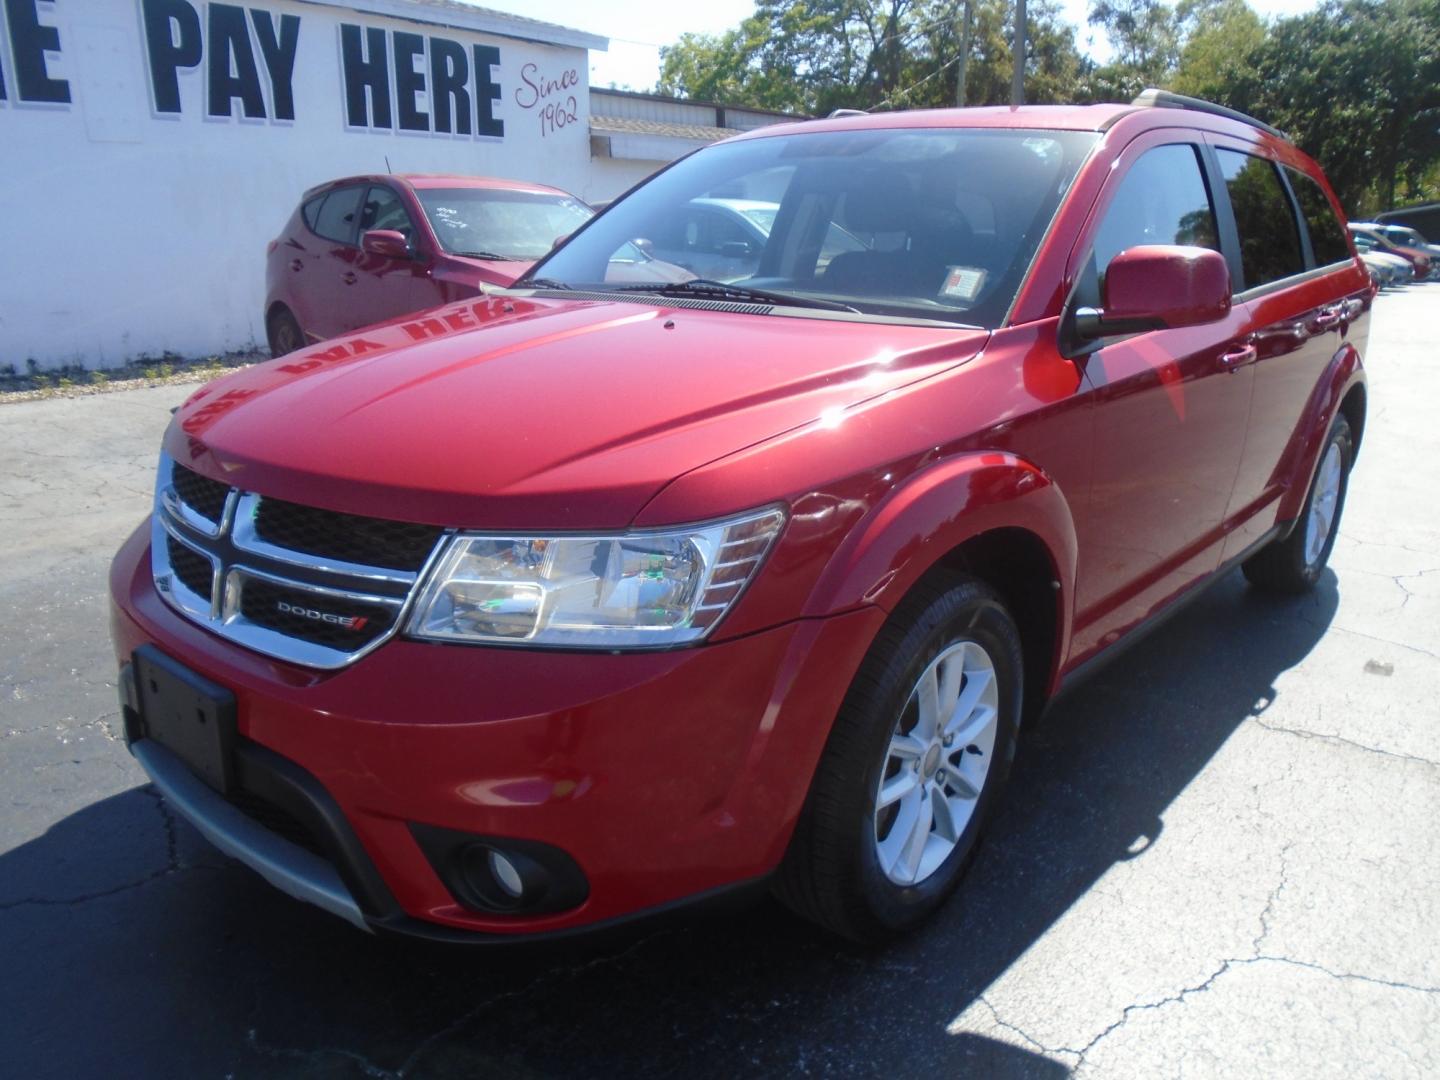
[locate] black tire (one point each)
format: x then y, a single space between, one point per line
831 873
1283 566
284 333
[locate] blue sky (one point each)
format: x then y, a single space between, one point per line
637 28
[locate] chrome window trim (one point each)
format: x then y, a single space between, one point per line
220 612
1257 291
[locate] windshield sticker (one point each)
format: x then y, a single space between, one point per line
962 282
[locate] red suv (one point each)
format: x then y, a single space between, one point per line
365 249
588 598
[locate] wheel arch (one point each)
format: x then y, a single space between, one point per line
1353 406
1341 391
274 308
994 515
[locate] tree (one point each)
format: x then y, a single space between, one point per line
1220 51
817 55
1356 84
1146 35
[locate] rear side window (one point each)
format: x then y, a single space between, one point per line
1269 239
1327 235
1161 200
336 220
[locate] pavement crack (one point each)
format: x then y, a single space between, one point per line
1001 1022
1273 897
101 894
317 1056
1145 1006
1340 740
435 1038
1343 975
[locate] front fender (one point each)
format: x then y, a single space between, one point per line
934 512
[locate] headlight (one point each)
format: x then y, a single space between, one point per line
606 592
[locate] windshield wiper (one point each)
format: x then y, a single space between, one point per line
491 255
540 283
705 289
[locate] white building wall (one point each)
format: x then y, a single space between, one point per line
133 230
612 176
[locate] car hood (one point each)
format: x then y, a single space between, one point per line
508 412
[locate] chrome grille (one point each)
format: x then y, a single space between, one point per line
294 582
204 496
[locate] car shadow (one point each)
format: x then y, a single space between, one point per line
193 966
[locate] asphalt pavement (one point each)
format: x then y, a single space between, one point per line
1220 857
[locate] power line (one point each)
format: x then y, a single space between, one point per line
916 85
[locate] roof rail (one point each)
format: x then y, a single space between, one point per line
847 112
1156 98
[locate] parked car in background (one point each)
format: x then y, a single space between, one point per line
1368 239
1405 237
1388 270
721 238
364 249
587 599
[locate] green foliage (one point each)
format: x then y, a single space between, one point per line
1218 59
812 56
1356 83
1144 33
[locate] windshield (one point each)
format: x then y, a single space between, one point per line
491 223
927 224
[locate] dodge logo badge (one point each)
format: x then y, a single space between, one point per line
349 622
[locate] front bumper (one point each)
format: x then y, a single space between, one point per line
664 775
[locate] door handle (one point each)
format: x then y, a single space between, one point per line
296 264
1328 319
1232 360
349 277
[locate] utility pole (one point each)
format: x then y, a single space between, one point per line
964 34
1017 85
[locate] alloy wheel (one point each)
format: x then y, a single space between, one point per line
936 763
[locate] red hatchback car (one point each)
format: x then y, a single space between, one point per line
365 249
589 598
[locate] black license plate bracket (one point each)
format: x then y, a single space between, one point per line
188 714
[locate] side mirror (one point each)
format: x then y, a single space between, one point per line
387 243
1159 287
736 249
559 240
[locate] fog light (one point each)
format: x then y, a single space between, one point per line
502 875
506 876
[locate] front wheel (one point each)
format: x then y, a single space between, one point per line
1293 565
914 764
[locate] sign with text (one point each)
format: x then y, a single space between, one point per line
246 55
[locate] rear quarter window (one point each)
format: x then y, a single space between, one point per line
1327 235
310 211
1269 237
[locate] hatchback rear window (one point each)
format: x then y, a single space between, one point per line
1269 239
